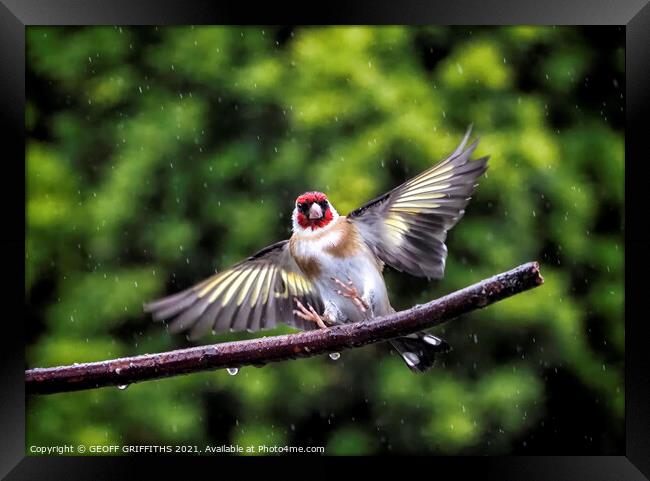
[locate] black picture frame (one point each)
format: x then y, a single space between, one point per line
15 15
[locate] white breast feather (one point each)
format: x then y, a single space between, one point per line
314 246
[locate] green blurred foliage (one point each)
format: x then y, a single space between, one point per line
156 155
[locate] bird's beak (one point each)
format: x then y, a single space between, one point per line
315 212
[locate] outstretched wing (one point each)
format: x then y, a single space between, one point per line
252 295
407 226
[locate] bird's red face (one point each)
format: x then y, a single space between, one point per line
313 211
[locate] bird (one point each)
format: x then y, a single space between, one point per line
330 270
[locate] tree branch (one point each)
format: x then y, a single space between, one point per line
128 370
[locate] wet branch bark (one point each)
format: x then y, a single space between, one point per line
260 351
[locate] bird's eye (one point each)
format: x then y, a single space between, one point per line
301 206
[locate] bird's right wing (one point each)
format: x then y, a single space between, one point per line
252 295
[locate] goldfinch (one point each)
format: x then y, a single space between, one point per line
330 270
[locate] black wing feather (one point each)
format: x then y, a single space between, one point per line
253 294
407 227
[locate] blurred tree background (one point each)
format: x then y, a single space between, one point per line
156 155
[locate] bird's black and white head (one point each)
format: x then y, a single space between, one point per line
312 212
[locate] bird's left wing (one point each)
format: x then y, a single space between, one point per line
407 227
252 295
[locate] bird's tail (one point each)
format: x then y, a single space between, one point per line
419 350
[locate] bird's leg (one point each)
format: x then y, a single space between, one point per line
350 291
309 314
